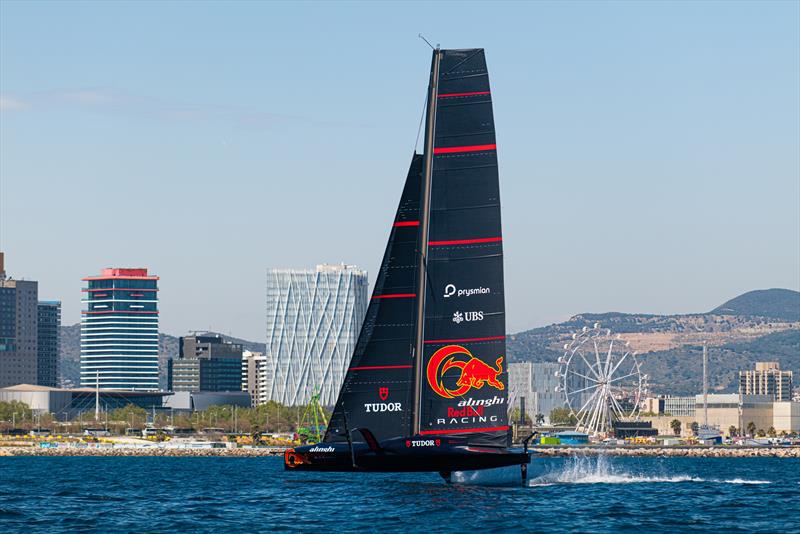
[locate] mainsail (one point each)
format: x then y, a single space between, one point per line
465 380
377 392
450 255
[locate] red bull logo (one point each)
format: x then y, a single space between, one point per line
474 373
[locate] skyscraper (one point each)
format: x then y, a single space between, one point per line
313 321
119 330
49 319
18 330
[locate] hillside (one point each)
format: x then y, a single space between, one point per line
773 303
756 326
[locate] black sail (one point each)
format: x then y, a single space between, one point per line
377 393
464 378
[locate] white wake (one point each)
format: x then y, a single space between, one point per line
600 470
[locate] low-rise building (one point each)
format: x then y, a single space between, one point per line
679 406
67 404
744 413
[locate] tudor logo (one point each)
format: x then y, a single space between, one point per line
474 372
383 393
375 407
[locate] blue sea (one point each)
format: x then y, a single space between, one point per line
219 494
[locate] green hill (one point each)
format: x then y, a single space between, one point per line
773 303
756 326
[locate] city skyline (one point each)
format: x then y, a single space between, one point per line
294 176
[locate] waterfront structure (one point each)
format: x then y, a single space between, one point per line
313 321
633 429
766 379
119 330
205 363
538 384
197 401
48 326
66 404
255 376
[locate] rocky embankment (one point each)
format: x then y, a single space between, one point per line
695 452
126 451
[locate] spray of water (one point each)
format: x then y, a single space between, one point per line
601 470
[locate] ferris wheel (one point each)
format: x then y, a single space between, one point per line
601 379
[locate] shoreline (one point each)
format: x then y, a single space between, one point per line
554 451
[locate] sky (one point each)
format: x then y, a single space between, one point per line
648 151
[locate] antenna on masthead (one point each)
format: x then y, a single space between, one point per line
428 42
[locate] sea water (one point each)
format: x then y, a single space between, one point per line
219 494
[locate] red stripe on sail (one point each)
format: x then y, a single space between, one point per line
376 367
472 148
395 296
465 241
465 340
474 93
406 223
464 430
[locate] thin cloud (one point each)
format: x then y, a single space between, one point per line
8 103
111 101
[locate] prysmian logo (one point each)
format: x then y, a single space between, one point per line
450 290
321 449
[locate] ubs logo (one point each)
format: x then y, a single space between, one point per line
469 316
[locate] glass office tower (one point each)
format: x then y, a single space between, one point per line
119 331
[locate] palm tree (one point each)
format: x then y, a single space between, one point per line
695 427
732 431
751 428
676 427
539 419
771 432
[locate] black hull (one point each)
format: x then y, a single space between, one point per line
429 454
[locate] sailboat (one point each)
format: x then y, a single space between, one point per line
426 389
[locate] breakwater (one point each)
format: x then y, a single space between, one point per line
694 452
138 451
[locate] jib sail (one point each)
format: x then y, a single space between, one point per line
464 379
377 393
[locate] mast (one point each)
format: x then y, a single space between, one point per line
430 126
705 384
97 395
